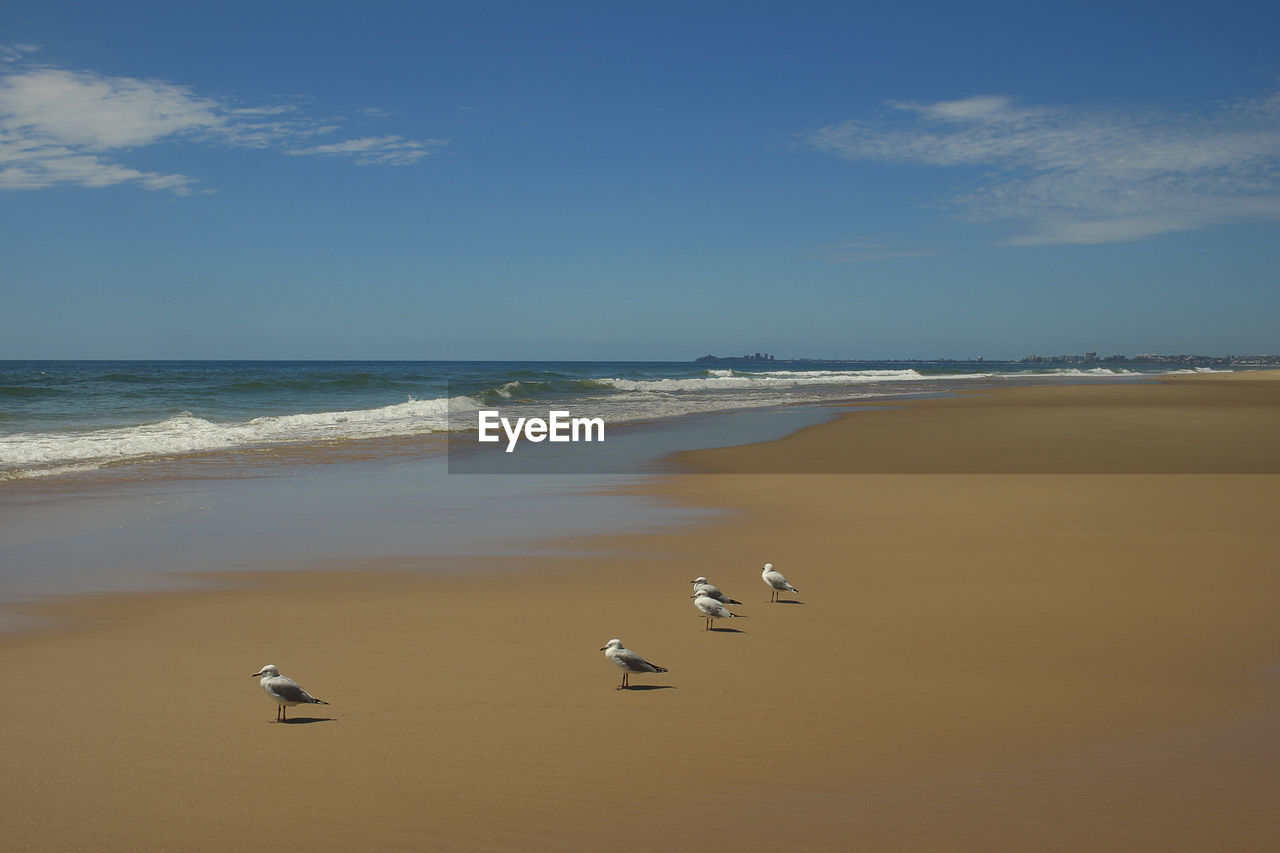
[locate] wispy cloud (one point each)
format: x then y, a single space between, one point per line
60 127
857 251
389 150
1084 175
15 52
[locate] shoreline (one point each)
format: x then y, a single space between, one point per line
220 421
114 535
1165 430
1041 661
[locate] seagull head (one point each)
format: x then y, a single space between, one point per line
698 580
768 567
615 643
268 670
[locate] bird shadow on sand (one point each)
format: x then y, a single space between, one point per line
302 721
726 630
647 687
788 601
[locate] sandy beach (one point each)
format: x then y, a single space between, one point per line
1035 619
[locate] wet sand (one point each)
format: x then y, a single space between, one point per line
1025 639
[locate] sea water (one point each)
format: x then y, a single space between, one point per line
60 418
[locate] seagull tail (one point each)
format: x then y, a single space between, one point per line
316 701
732 601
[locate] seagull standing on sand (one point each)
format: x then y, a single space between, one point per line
712 609
283 691
711 591
627 660
776 581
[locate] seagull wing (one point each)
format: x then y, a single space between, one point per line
290 691
635 663
643 665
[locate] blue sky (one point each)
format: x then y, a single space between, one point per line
591 180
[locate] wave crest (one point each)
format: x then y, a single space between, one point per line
40 454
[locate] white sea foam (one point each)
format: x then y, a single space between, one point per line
614 399
44 454
636 407
729 380
1097 372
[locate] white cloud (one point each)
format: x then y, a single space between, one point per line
52 167
73 128
99 113
1076 175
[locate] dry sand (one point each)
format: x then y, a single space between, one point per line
979 659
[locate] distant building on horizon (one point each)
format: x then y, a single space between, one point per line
712 359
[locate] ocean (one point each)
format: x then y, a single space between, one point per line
61 419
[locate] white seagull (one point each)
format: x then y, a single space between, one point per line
283 691
627 660
712 609
711 591
776 581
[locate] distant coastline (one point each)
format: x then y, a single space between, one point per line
1087 358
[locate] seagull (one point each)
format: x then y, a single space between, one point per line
776 581
283 691
712 609
711 591
627 660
